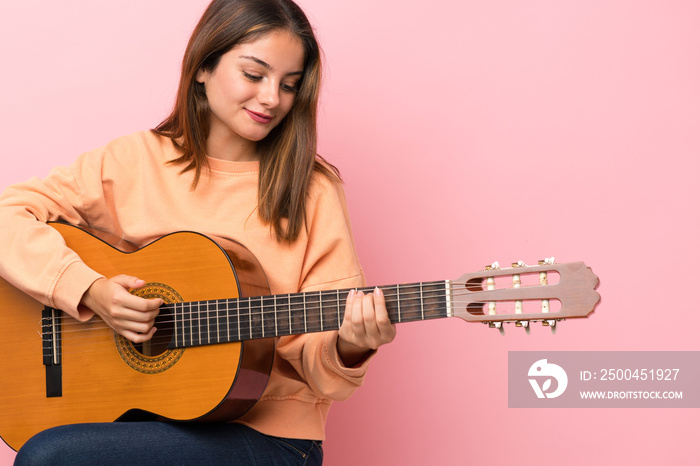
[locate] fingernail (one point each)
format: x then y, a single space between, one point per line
351 294
360 293
377 291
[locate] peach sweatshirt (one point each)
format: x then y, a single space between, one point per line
127 188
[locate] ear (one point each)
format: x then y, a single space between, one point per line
202 76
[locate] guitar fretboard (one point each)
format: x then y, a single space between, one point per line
227 320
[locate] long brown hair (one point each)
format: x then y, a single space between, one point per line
287 154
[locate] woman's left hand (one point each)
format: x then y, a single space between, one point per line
366 326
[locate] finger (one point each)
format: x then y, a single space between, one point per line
371 306
357 316
137 337
124 315
347 316
134 326
353 307
382 319
137 303
128 282
368 312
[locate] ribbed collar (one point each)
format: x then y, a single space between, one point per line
228 166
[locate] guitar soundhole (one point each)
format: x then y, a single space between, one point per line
160 341
153 356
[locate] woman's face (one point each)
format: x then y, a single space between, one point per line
251 90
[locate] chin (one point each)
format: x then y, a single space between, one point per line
257 136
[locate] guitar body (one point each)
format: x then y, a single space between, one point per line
103 377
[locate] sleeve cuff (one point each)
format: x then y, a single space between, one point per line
353 374
70 288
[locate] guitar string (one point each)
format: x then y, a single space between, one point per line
314 316
252 305
85 344
245 329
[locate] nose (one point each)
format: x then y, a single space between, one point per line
269 94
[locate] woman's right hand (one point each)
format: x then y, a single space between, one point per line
131 316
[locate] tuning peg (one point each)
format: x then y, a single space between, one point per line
552 324
493 266
498 325
524 324
546 261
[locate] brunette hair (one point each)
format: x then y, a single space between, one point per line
287 154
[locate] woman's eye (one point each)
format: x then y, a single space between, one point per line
252 77
289 88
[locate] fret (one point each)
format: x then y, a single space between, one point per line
330 312
244 319
283 319
238 317
422 312
255 321
186 323
205 324
337 298
304 299
275 311
212 323
297 314
404 306
320 309
195 336
250 317
398 302
262 317
176 326
269 320
213 317
231 315
222 321
312 313
182 324
202 327
228 321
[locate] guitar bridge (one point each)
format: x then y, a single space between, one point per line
51 351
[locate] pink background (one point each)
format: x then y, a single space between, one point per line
467 132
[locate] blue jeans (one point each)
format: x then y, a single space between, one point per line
164 443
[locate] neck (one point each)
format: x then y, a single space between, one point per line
227 320
229 146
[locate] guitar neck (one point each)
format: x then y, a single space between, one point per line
228 320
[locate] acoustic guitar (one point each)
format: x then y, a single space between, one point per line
211 356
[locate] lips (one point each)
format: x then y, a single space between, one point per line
259 117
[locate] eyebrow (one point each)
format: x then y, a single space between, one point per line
267 65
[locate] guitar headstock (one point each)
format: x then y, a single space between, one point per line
546 292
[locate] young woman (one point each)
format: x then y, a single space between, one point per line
235 159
